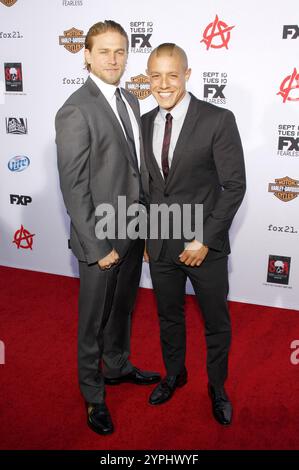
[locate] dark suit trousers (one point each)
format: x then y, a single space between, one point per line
106 302
210 283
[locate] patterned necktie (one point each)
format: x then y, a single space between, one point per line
166 144
126 122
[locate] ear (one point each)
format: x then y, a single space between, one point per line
187 74
87 55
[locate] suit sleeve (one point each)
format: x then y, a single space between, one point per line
229 162
73 149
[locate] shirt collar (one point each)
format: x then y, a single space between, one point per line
179 110
107 89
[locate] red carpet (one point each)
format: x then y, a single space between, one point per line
41 407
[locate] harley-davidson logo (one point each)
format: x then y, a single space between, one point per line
73 40
8 3
139 86
286 189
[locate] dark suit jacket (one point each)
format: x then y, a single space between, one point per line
94 167
207 168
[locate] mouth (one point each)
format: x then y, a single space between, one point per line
164 94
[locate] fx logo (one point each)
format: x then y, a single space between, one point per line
20 200
2 352
290 30
288 143
141 40
294 357
216 90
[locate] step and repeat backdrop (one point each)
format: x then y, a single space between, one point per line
243 55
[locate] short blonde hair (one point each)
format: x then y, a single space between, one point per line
169 48
100 28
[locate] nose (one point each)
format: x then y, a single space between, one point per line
164 82
112 58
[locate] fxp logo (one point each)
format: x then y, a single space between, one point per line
217 34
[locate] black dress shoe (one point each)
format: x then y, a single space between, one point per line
99 419
221 405
166 388
136 376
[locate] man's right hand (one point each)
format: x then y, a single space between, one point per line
109 260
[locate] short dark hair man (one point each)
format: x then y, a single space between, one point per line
194 156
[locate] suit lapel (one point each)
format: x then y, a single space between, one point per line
96 92
129 99
154 168
184 137
136 112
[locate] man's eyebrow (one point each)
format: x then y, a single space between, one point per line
108 49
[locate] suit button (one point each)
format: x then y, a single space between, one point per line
166 194
134 174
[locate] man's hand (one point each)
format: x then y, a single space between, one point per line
194 254
109 260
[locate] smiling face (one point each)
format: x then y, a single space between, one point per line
108 56
168 73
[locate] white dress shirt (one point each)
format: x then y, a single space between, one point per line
178 114
109 93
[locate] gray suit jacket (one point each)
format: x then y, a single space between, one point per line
207 168
94 167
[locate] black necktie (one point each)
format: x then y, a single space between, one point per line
126 122
166 144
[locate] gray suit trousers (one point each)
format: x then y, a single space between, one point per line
106 302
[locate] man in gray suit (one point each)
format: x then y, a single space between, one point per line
100 157
194 155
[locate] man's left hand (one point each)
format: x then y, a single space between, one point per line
194 254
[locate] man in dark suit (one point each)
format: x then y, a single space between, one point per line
194 156
100 157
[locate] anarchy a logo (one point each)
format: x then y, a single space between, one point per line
289 88
23 239
139 86
217 34
8 3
